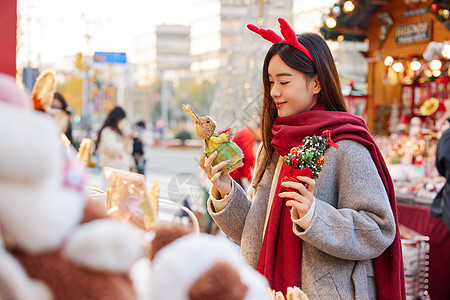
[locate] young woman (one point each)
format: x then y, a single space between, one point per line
335 237
112 146
61 111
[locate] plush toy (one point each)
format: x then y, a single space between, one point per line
54 242
164 235
201 267
217 141
14 281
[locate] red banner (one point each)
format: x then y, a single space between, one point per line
8 24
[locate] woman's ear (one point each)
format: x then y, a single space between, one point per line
316 85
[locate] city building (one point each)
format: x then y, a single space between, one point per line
166 48
225 52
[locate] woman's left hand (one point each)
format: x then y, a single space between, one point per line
302 198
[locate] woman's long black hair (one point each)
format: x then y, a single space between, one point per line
111 120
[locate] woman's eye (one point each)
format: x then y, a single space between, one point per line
271 82
283 83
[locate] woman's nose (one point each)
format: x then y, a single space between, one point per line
275 91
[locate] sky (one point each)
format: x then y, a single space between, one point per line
52 29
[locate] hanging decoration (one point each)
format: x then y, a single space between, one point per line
441 10
338 16
386 23
437 50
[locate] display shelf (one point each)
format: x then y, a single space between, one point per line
415 249
412 199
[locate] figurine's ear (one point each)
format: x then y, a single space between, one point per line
43 90
191 112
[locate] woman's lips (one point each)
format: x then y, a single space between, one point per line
280 104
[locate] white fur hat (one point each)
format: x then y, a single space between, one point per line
41 191
178 265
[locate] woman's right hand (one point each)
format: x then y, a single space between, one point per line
222 182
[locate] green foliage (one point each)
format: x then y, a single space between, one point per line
308 154
440 8
199 94
332 34
183 135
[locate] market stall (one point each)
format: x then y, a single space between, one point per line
356 100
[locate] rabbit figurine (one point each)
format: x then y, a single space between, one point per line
217 141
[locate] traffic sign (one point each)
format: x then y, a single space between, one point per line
110 57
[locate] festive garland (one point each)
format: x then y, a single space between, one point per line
441 10
308 154
341 15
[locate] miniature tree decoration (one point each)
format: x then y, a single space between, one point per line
216 141
306 159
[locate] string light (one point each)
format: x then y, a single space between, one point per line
330 22
446 51
349 6
336 10
397 67
77 119
415 65
435 65
389 60
436 73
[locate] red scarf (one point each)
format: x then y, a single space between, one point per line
280 257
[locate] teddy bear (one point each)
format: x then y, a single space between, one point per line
55 243
191 266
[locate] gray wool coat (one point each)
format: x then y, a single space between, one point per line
352 223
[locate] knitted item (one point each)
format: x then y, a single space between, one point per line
388 267
202 131
225 151
217 141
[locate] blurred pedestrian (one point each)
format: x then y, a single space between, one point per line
139 147
113 145
246 138
61 111
440 208
336 237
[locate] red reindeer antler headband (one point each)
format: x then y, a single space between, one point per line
287 32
